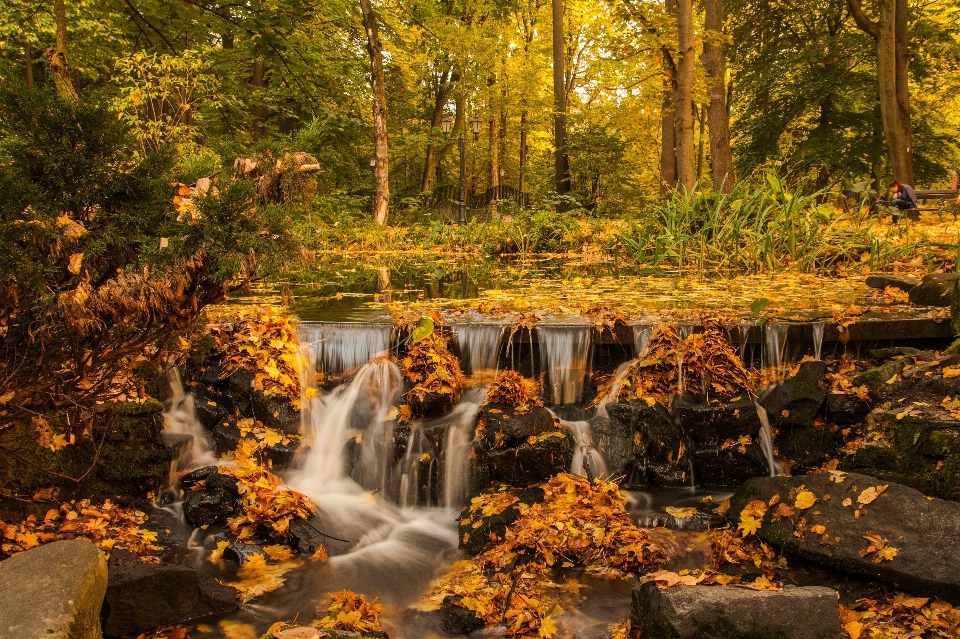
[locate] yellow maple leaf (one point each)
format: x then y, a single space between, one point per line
547 628
681 513
869 494
749 525
76 261
853 628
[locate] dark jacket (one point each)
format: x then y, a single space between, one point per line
907 193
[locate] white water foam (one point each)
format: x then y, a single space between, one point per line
564 353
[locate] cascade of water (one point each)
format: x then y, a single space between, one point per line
479 346
587 460
817 338
564 351
611 397
180 418
641 339
766 440
342 347
456 452
775 341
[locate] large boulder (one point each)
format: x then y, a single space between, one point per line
701 612
883 280
900 537
143 597
531 463
477 530
793 407
509 428
660 454
54 591
936 289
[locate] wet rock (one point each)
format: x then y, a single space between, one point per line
241 552
276 412
304 538
921 529
240 390
703 519
192 478
226 435
936 289
729 466
875 378
904 351
528 463
206 506
177 443
847 409
661 457
475 533
456 619
143 597
797 401
695 612
509 428
614 440
715 422
429 404
55 590
282 455
883 280
209 405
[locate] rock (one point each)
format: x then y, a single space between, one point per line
614 440
883 280
696 612
847 409
429 404
955 309
456 619
143 597
512 428
936 289
476 533
240 389
55 590
210 406
661 457
304 538
729 467
904 351
797 401
226 435
703 519
529 464
282 455
923 530
276 412
241 552
177 443
875 378
207 506
193 477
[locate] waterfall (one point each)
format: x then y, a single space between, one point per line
641 339
817 328
564 352
587 460
611 397
766 440
336 348
180 418
775 341
456 451
479 346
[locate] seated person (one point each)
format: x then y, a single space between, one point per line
903 196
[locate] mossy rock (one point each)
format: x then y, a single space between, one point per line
875 378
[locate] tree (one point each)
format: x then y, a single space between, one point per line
381 196
560 162
715 66
890 34
686 159
57 56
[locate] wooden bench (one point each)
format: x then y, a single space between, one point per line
946 200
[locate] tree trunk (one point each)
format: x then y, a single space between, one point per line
28 62
523 150
686 176
701 122
494 162
434 156
57 56
902 19
259 109
719 118
668 129
560 163
891 62
381 197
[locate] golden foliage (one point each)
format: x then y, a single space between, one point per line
579 524
900 615
108 526
709 362
432 368
513 389
264 501
351 611
256 576
262 340
256 436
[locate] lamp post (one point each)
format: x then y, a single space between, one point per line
445 125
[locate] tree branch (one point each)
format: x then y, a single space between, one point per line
864 23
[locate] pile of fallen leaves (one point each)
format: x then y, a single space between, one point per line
266 505
432 368
900 616
580 523
705 363
256 436
351 611
108 526
262 340
261 572
513 389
